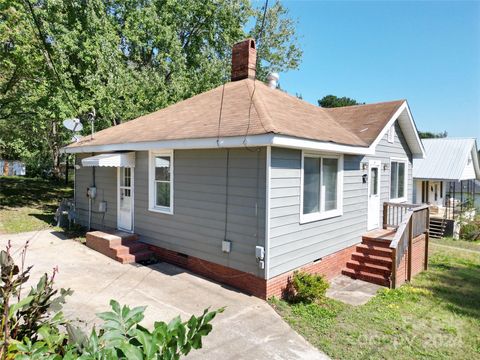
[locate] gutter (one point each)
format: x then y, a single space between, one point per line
227 142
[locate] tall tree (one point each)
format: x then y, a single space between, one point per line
122 58
331 101
432 135
277 41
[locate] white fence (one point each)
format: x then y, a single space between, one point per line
12 168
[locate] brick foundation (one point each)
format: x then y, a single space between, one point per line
246 282
418 261
329 266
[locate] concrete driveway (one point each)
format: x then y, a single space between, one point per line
248 329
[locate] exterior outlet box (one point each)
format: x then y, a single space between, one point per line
226 246
102 206
261 264
259 252
92 192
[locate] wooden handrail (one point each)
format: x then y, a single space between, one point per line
394 213
414 223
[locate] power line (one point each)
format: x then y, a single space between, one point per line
260 34
37 25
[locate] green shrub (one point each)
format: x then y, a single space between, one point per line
307 288
470 231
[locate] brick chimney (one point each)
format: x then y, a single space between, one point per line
244 60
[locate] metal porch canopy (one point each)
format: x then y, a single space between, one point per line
111 160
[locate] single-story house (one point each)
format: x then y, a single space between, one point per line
245 184
445 179
12 168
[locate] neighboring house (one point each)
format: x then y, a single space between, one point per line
445 179
12 168
245 183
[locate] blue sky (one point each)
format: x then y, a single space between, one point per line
426 52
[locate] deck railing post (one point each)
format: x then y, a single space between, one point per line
393 276
385 215
410 248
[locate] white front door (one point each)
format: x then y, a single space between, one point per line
374 194
125 199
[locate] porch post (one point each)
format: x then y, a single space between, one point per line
473 193
385 215
393 276
461 196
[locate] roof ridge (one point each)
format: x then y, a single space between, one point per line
452 138
261 110
369 104
316 108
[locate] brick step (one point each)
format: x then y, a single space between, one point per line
369 268
135 257
373 259
372 278
101 238
374 250
121 246
129 247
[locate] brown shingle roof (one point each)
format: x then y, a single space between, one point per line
272 111
365 121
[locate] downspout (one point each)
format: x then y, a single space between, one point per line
90 200
267 211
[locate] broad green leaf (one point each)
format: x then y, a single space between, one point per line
15 307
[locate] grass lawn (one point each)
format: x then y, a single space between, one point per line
470 245
436 317
28 204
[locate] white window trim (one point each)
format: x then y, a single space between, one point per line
151 182
391 134
306 218
404 198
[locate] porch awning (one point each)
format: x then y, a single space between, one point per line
112 160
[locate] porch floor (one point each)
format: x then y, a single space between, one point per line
380 234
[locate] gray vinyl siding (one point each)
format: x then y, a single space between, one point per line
198 224
106 183
292 244
384 152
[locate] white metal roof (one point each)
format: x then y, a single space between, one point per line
448 159
112 160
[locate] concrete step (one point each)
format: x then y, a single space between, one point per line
368 268
374 250
372 278
372 259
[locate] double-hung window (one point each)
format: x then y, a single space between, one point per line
161 182
321 188
398 180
